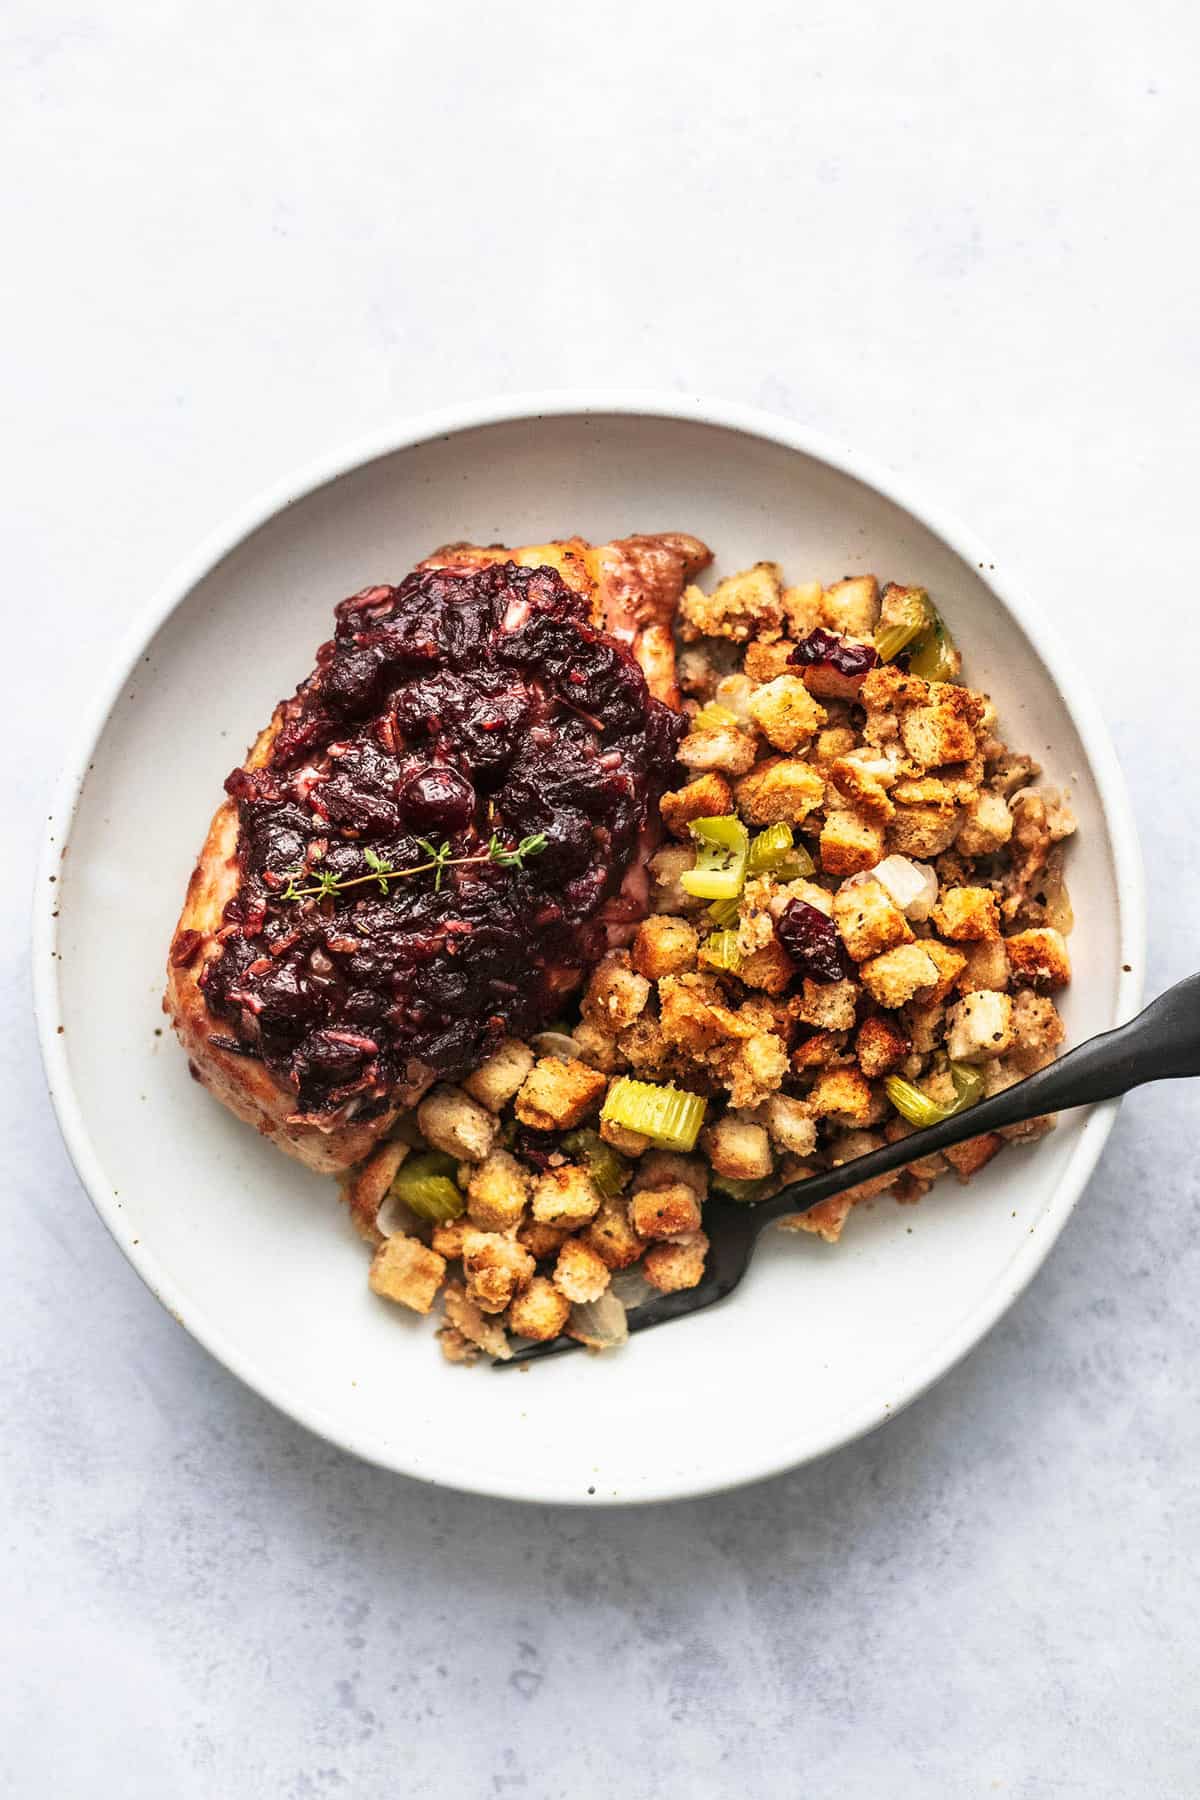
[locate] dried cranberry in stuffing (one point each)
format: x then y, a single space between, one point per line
821 646
812 942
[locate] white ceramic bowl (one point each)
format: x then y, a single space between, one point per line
251 1253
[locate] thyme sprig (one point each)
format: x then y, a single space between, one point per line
325 885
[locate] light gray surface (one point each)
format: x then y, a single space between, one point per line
961 236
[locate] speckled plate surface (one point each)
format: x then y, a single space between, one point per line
250 1252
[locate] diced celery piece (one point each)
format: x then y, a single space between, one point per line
795 865
720 951
668 1116
968 1084
724 913
913 1105
746 1192
423 1183
722 845
609 1171
916 618
768 849
934 657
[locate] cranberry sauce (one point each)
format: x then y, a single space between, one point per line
451 708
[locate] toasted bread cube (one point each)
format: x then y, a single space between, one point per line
802 608
708 797
986 965
1037 1030
612 1236
557 1095
667 894
848 1147
450 1120
756 1069
579 1273
670 1267
495 1081
1039 958
599 1049
467 1318
738 1149
980 1027
722 747
786 713
541 1240
899 974
615 995
940 733
868 919
825 1220
880 1047
814 1052
829 683
851 606
455 1347
779 790
540 1312
861 786
922 832
364 1188
850 844
497 1191
987 825
629 1143
832 744
664 946
763 661
843 1095
790 1125
403 1269
768 968
743 606
828 1005
665 1212
565 1196
967 914
495 1268
449 1235
967 1159
950 965
664 1168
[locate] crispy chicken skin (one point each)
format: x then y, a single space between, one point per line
634 586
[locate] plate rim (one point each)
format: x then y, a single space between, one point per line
450 421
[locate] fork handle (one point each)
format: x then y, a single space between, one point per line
1160 1044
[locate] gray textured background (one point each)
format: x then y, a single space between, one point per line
963 237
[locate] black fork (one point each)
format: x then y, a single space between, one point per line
1161 1044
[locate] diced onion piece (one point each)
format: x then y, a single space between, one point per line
913 1105
606 1168
795 865
722 845
423 1183
913 886
734 692
720 951
968 1084
555 1043
934 657
600 1324
746 1193
916 618
668 1116
712 717
768 849
631 1288
724 913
